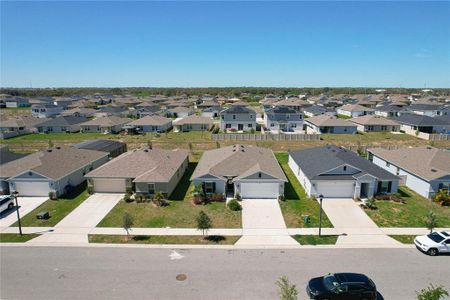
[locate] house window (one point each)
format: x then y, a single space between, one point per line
228 125
345 168
259 175
294 125
250 125
251 116
151 188
210 187
272 125
234 117
383 128
223 117
384 186
370 128
388 164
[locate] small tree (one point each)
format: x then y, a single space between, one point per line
217 144
287 290
203 222
432 293
149 144
127 223
50 144
190 147
431 221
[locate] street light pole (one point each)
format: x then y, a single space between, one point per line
15 194
320 215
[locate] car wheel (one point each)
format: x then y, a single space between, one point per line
432 252
10 206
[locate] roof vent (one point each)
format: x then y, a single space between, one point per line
145 150
49 150
58 147
429 148
433 170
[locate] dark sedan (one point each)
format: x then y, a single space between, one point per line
348 286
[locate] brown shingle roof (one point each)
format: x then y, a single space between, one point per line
373 120
325 120
426 162
107 121
144 165
154 120
193 119
354 107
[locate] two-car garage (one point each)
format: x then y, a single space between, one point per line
109 185
261 189
335 189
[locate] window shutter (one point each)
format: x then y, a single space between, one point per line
389 186
214 187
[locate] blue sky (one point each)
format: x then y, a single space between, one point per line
287 44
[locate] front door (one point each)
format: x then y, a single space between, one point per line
364 190
230 188
240 126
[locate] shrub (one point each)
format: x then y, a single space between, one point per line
52 196
234 205
431 221
281 198
370 203
129 190
432 293
287 290
127 198
238 197
90 190
204 223
252 131
442 198
160 199
139 198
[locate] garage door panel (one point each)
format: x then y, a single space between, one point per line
336 189
109 185
33 188
262 190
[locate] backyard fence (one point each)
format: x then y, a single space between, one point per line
264 137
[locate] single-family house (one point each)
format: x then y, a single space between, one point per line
389 111
108 124
193 123
329 124
430 110
373 123
251 172
335 172
145 171
113 148
111 111
412 124
425 170
211 112
293 103
179 112
238 118
354 110
55 170
15 102
19 126
45 110
79 112
283 119
61 124
317 110
153 123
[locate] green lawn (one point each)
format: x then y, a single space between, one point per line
15 108
316 240
163 239
16 238
58 209
405 239
343 117
411 214
60 136
297 203
180 213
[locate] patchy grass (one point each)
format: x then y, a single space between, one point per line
405 239
316 240
163 239
180 213
343 117
16 238
368 137
297 203
58 209
411 214
59 136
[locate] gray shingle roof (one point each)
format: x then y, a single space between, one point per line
418 120
63 121
316 161
237 109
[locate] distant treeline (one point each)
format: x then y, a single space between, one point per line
242 92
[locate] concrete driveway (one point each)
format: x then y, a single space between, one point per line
263 224
355 225
75 227
27 204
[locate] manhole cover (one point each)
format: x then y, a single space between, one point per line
181 277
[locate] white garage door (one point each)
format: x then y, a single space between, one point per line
33 188
109 185
336 189
259 190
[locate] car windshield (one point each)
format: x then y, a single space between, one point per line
330 282
436 237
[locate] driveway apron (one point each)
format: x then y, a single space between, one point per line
26 205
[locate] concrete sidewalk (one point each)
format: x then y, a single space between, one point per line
26 205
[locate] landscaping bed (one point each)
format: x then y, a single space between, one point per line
16 238
58 209
411 213
180 212
316 240
164 239
297 204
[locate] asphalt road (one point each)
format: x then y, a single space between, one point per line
139 273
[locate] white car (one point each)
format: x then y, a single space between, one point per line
434 243
6 202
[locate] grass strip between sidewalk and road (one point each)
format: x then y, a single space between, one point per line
16 238
404 239
164 239
316 240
